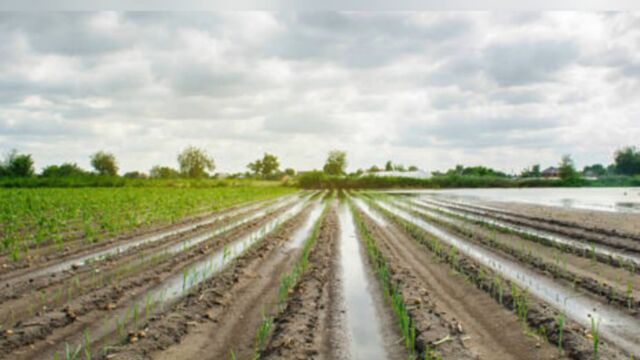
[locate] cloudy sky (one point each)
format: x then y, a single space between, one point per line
432 89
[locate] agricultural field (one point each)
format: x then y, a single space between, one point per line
278 273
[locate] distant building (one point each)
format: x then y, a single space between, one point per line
551 172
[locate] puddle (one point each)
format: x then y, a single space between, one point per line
576 244
615 326
179 284
363 328
300 235
100 255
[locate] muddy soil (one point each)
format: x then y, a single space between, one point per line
51 254
613 284
303 329
24 298
55 326
619 222
221 315
540 318
453 316
613 238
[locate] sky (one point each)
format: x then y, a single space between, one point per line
431 89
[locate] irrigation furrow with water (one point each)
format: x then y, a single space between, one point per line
615 326
613 284
602 252
138 287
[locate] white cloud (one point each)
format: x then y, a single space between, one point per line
431 89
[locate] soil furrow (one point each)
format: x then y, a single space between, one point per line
451 309
59 325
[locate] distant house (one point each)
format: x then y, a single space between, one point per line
551 172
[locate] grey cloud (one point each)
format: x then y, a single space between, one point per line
525 62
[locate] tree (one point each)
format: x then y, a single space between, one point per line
594 170
18 165
266 168
163 172
373 169
289 172
135 175
627 161
104 163
64 170
413 168
195 162
399 167
567 169
336 163
388 166
533 172
270 165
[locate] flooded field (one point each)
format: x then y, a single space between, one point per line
337 275
601 199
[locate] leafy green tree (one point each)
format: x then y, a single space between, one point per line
64 170
135 175
627 161
195 162
373 169
413 168
266 168
270 165
255 167
18 165
595 169
388 166
163 172
533 172
336 163
289 172
104 163
567 169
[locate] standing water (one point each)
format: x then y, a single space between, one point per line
362 325
616 326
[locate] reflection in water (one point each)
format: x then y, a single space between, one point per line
365 335
616 326
625 199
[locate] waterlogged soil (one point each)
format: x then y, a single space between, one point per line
612 283
23 298
452 316
221 315
620 222
586 234
540 317
52 254
35 336
303 329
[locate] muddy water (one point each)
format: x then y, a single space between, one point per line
615 326
362 325
100 255
576 244
179 284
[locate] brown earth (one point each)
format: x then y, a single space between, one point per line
445 305
58 325
612 283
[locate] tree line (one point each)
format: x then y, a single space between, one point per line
196 163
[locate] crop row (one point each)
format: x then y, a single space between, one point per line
35 217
